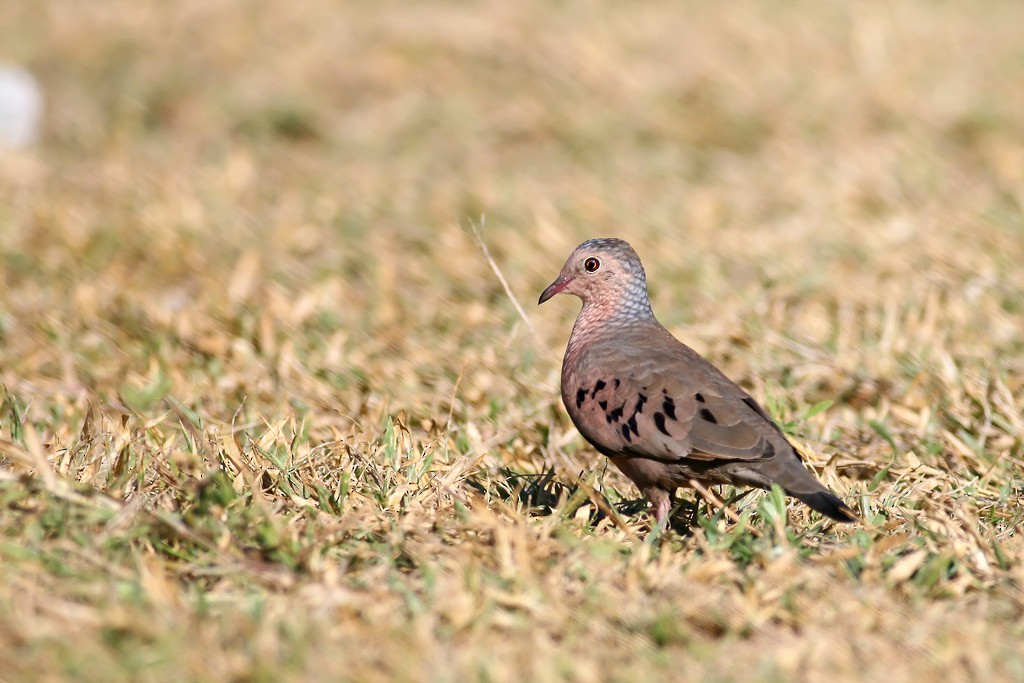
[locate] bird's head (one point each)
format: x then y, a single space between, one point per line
604 273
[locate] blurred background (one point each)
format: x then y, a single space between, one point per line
849 150
255 216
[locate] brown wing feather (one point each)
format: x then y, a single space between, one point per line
630 405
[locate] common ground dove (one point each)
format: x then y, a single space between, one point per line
662 413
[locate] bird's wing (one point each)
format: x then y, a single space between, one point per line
669 407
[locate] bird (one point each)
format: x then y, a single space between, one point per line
663 414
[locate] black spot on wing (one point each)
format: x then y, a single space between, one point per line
699 396
631 424
615 415
603 403
659 421
580 395
626 433
616 382
669 408
598 387
708 415
640 404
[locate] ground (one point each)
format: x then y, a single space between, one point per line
271 412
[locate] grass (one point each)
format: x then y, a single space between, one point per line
267 412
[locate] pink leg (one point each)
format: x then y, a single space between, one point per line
662 503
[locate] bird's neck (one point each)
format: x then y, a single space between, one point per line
601 319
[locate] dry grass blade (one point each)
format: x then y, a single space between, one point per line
501 278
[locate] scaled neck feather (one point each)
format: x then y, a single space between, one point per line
603 318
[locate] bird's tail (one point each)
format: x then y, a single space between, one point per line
788 471
800 483
827 503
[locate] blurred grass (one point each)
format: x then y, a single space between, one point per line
267 413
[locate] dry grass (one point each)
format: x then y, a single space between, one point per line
268 414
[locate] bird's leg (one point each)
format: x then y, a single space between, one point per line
664 507
662 504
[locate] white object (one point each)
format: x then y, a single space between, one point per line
21 107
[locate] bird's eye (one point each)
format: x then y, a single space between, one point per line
591 265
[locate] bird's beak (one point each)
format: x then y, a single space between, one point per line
554 288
